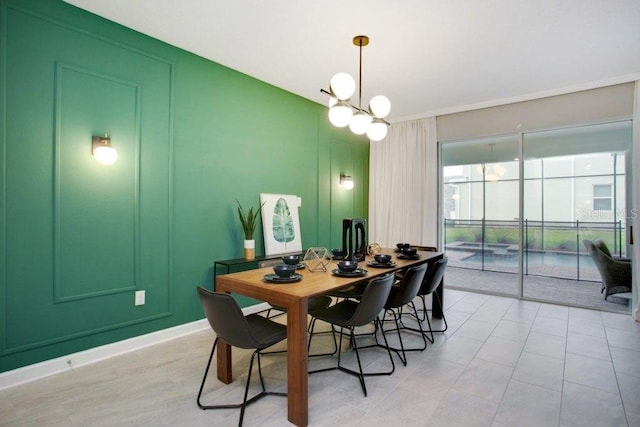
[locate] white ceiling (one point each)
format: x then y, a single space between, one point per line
427 56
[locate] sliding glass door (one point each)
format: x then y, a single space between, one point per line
517 209
480 206
574 189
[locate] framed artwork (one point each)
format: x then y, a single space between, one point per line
280 224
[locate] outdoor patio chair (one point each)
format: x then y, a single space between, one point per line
615 273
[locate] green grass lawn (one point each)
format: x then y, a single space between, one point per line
535 238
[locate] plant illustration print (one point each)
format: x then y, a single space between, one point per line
282 224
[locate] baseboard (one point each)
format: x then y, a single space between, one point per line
65 363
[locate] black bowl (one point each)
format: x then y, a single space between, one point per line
337 252
284 270
291 259
409 251
382 258
402 246
347 266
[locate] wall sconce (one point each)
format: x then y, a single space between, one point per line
103 151
346 181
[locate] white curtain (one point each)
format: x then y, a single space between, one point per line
634 214
403 185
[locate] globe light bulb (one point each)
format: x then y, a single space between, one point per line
105 154
380 106
342 86
360 123
347 183
377 131
340 115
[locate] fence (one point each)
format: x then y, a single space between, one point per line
550 248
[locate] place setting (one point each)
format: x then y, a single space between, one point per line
293 260
381 261
283 273
405 251
337 254
349 269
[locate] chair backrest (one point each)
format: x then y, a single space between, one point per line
599 256
603 247
226 318
408 288
612 272
433 277
373 299
591 247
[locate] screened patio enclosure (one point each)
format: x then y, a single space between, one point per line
522 205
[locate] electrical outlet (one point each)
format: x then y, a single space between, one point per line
140 295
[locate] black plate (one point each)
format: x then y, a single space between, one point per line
358 272
274 278
376 264
403 256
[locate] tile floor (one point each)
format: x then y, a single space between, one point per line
503 362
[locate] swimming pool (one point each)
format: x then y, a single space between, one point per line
532 258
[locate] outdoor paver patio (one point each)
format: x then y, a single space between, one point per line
549 289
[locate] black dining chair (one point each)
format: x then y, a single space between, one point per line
402 294
432 279
350 314
250 332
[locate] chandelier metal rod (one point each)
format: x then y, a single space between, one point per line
360 40
326 92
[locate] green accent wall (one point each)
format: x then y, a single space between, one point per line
79 238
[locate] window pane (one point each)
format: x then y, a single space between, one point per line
601 191
602 204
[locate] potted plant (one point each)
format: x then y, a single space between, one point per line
248 221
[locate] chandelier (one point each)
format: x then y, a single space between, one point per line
342 112
491 172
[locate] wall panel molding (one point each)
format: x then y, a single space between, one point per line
59 294
55 51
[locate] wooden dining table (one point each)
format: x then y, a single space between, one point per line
294 297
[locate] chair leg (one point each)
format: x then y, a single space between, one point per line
339 352
378 325
312 325
245 401
401 354
206 371
246 387
386 344
425 310
361 375
432 339
443 316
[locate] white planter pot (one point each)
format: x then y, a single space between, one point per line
249 249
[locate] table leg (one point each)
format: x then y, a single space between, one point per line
436 302
223 358
297 375
224 362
